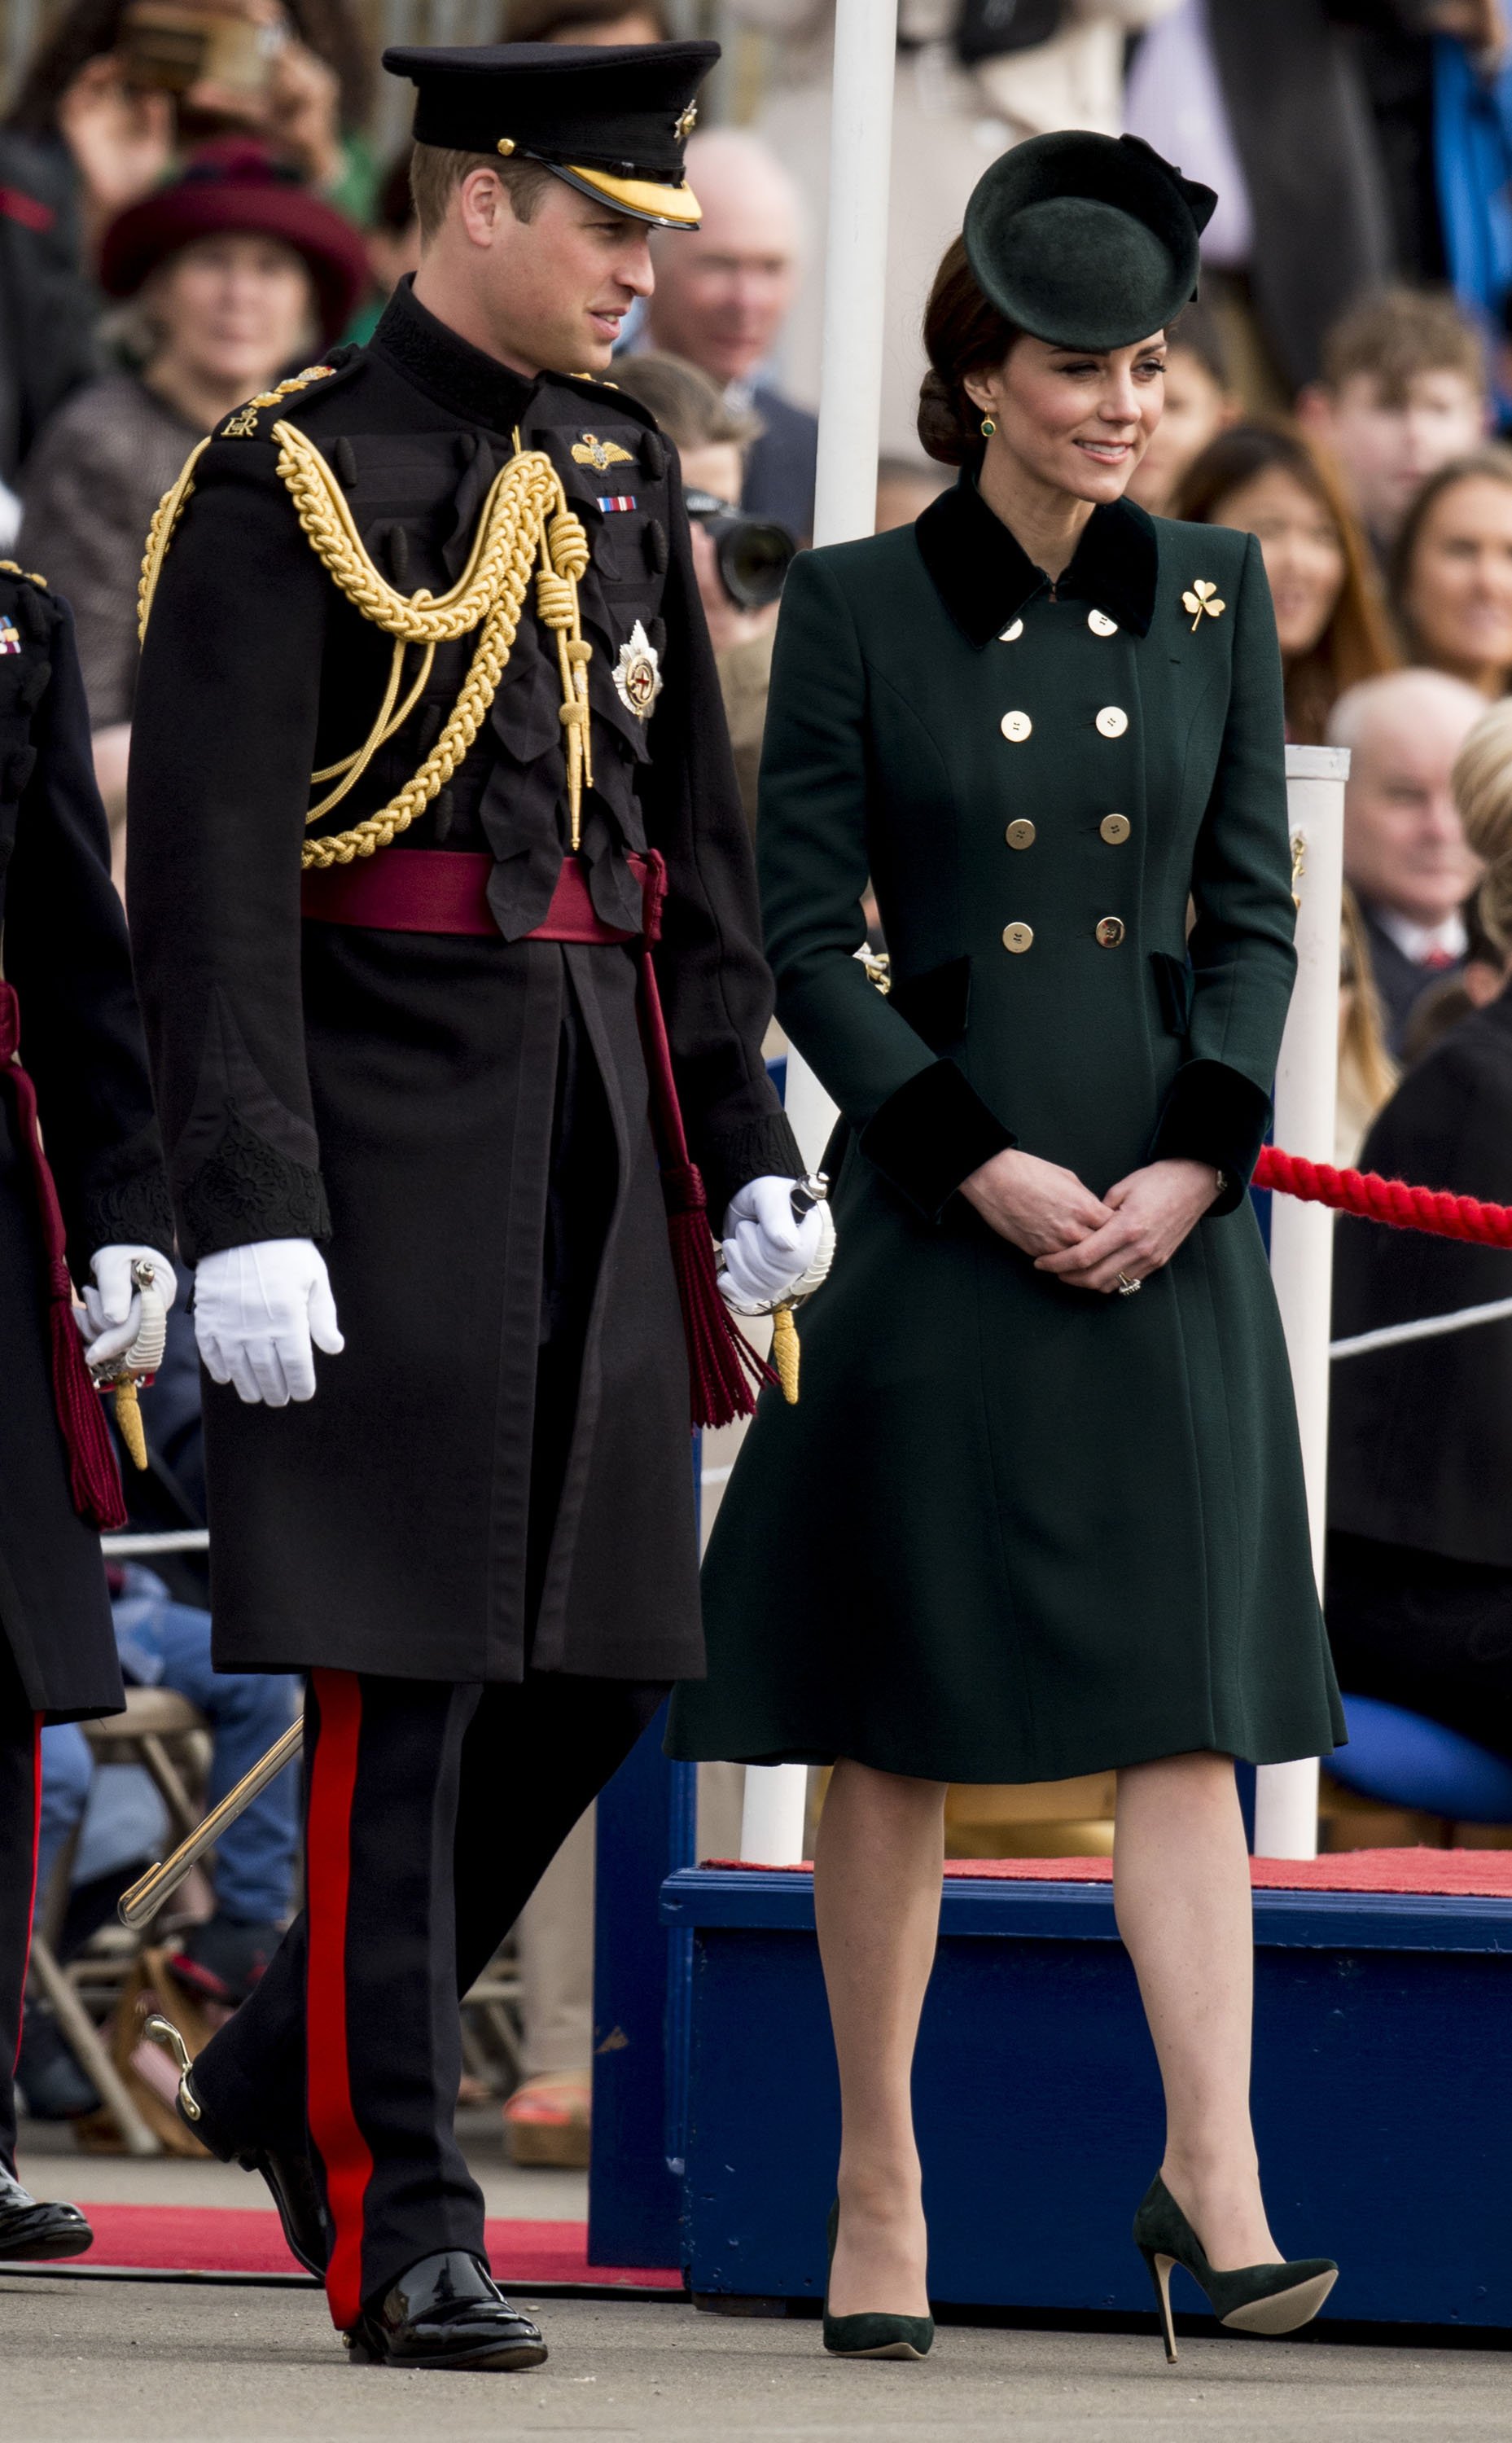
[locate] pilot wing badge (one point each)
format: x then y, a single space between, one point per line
638 673
590 451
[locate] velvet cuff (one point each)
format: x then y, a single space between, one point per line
932 1133
1214 1113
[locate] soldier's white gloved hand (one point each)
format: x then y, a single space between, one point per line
111 1317
256 1312
769 1254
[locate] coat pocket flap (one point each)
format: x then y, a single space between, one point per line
936 1004
1173 982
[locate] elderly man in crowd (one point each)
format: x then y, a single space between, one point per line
1405 851
722 294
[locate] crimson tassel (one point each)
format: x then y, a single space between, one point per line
724 1371
93 1479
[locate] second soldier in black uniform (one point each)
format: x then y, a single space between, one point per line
447 596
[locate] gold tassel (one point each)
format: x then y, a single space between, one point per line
129 1422
784 1352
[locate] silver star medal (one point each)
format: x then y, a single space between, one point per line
638 673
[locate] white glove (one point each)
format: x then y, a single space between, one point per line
111 1317
769 1254
256 1311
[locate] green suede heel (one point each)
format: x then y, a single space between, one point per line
1248 2299
873 2336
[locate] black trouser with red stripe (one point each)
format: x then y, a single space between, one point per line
20 1800
432 1812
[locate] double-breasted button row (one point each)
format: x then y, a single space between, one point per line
1111 722
1114 829
1098 622
1109 932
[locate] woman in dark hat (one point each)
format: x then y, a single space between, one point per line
239 274
1041 1508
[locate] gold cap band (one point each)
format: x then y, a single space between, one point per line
640 198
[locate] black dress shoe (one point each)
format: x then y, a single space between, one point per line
287 2170
29 2229
290 2179
447 2311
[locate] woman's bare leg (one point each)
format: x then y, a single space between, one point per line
1182 1886
877 1878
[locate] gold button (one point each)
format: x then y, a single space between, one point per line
1114 829
1112 721
1100 624
1018 937
1011 635
1016 727
1020 835
1110 931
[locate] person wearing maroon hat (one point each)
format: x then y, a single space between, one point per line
239 274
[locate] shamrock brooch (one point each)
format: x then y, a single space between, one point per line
1199 597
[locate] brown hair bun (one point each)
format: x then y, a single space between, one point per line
963 334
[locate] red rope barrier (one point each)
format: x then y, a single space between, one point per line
1374 1199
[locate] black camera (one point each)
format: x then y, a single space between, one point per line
754 554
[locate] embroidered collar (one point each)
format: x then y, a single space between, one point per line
984 576
447 367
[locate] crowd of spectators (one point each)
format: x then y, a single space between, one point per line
177 232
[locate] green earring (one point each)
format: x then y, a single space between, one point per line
989 428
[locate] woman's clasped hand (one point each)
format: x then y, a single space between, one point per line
1091 1242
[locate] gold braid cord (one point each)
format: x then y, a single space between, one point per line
526 520
160 533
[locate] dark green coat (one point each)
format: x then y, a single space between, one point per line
1014 1530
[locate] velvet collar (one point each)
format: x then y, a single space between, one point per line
447 367
984 576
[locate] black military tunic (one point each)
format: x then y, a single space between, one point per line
66 1007
462 1121
67 960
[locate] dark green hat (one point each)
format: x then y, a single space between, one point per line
1086 241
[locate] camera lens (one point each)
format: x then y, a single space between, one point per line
754 554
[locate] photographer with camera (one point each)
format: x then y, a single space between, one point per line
741 561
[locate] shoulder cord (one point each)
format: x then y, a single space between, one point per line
524 518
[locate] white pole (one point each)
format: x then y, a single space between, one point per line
1302 1236
844 505
855 279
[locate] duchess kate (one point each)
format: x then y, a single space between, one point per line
1041 1510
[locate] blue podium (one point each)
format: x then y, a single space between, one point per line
1382 2100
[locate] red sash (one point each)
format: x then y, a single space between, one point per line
446 891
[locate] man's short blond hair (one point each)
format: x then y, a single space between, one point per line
436 173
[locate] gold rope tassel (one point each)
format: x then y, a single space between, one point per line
525 526
129 1422
784 1352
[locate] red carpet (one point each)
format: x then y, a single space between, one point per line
237 2239
1467 1874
